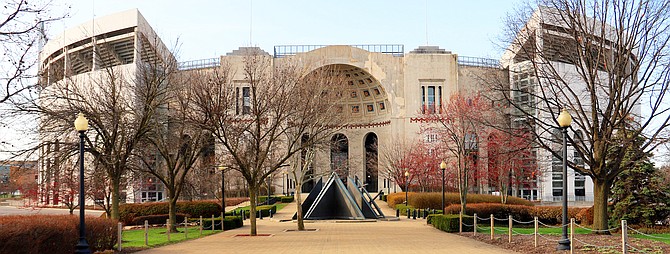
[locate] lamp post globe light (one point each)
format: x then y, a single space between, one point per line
443 166
81 125
406 186
564 121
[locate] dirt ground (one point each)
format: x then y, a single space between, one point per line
583 244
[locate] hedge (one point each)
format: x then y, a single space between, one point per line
229 222
53 233
265 210
449 222
403 209
127 212
156 219
286 199
546 214
433 200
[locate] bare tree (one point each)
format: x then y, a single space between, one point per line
280 111
176 142
606 62
21 31
119 106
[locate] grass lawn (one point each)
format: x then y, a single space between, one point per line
279 207
157 236
657 237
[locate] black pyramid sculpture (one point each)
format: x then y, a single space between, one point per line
334 200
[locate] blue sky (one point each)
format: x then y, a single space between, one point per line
207 29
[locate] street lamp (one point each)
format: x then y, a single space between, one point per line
443 166
406 186
81 125
564 121
223 189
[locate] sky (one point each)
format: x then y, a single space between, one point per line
208 29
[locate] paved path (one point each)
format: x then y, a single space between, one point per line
402 236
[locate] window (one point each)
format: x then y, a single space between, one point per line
423 99
431 99
246 100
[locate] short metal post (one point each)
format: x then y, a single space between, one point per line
185 227
213 223
492 227
572 234
535 234
120 235
200 226
167 223
474 225
408 215
414 214
397 213
460 222
509 231
624 237
260 214
146 232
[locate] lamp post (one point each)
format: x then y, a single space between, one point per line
406 186
223 189
564 121
443 166
81 125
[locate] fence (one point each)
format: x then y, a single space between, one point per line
625 244
212 226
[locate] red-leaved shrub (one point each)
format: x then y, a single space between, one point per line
546 214
53 233
127 212
433 200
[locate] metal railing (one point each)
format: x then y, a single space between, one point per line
478 62
397 50
200 63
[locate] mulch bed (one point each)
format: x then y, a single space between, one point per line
546 244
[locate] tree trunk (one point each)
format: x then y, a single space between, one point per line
252 210
601 189
298 200
172 211
115 198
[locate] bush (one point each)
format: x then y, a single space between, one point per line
449 222
264 209
235 201
433 200
53 233
229 222
287 199
156 219
127 212
546 214
403 209
585 216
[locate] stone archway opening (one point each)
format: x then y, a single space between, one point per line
371 162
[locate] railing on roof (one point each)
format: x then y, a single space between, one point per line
200 63
478 62
289 50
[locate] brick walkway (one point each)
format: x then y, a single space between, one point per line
401 236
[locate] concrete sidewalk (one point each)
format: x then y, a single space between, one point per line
402 236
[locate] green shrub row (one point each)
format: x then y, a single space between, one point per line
546 214
128 212
450 222
53 233
156 219
433 200
264 209
403 209
229 222
286 199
